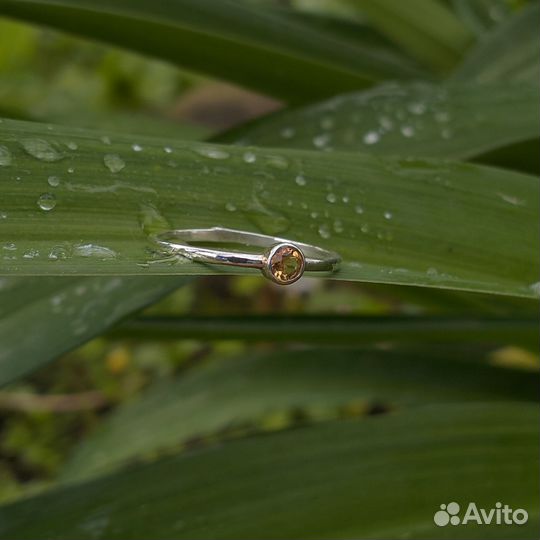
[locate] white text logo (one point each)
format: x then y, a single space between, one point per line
449 514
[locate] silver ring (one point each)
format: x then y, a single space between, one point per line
283 261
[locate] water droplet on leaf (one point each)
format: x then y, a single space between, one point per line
371 137
301 180
5 156
46 201
407 131
324 231
113 162
213 153
42 150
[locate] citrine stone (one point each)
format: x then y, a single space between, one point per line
286 264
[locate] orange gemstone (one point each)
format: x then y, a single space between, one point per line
287 264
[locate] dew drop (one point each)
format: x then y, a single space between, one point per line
136 147
94 250
152 220
278 162
359 209
371 137
113 162
213 153
31 254
72 145
324 231
388 215
417 108
338 226
71 170
407 131
535 288
331 198
3 215
9 246
301 180
386 123
167 149
511 199
53 181
5 156
230 207
46 201
320 141
58 253
249 157
41 149
365 228
105 140
345 199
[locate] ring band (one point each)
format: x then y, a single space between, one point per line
283 261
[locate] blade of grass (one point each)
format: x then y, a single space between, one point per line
73 203
265 392
509 52
481 15
427 29
461 121
332 329
261 48
62 313
344 479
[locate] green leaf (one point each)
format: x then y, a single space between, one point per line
461 121
374 478
267 392
426 29
481 15
61 313
264 49
336 329
404 221
508 53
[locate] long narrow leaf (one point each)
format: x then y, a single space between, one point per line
266 392
75 202
41 318
460 121
264 49
336 329
508 53
340 480
427 29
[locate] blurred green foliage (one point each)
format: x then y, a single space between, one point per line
50 77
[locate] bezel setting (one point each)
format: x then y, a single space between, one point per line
274 264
